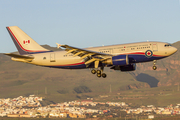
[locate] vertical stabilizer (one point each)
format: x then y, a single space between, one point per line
24 43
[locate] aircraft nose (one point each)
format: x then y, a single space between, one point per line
174 49
171 51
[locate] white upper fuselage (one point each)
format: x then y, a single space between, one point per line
61 59
94 57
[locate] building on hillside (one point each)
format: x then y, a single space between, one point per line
24 115
73 115
150 116
63 115
13 115
87 101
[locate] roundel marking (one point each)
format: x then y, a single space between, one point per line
148 53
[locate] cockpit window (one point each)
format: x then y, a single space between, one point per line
167 45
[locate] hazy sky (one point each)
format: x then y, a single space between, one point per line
86 23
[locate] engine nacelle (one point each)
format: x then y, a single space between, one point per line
130 67
118 60
125 68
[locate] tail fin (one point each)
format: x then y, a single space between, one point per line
24 43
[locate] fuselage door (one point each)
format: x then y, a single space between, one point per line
154 47
52 57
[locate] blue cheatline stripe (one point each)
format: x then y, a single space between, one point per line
133 59
39 52
143 58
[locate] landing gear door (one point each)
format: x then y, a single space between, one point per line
154 47
52 57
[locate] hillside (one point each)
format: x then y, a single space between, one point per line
63 85
23 79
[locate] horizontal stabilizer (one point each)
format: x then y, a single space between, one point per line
19 56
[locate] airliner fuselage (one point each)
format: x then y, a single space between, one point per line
137 52
119 57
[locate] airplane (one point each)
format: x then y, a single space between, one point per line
122 57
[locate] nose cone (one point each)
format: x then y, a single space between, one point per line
173 50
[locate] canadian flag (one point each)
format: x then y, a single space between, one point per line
26 41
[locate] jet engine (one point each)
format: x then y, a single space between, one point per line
130 67
118 60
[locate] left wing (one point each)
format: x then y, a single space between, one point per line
93 56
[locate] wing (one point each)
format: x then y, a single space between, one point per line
93 56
